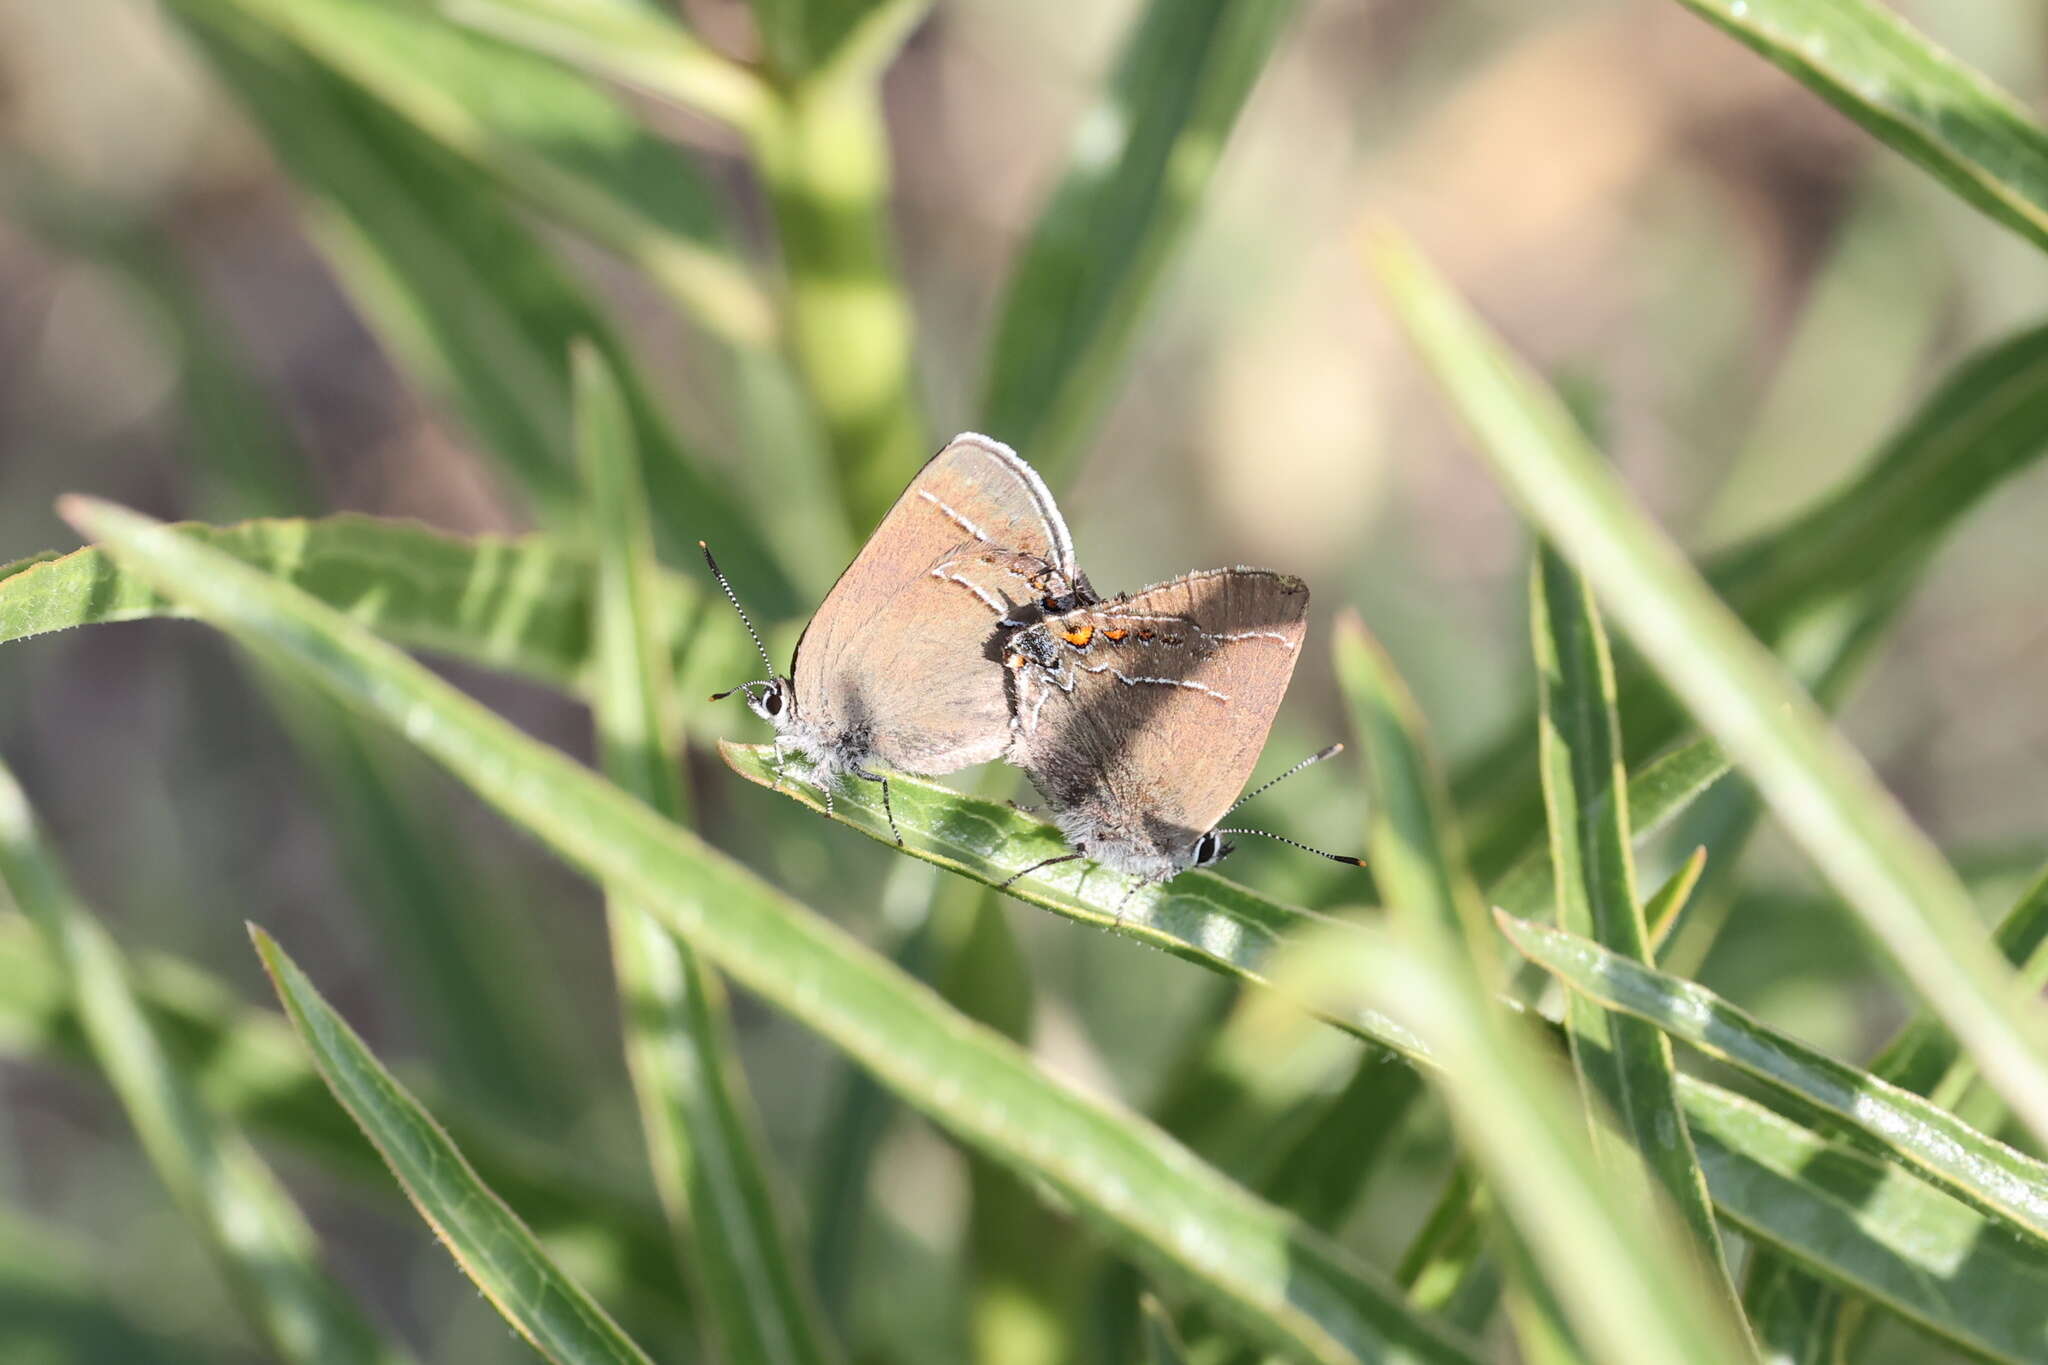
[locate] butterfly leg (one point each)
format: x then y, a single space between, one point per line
887 809
1131 891
783 749
1004 884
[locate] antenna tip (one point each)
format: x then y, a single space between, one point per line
702 546
1345 858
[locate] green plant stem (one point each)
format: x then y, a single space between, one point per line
823 152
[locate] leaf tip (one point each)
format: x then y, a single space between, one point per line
83 512
269 953
1526 935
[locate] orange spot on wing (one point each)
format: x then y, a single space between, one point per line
1114 633
1079 636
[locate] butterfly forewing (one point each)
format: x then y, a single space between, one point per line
894 659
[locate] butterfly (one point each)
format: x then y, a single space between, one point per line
1140 719
896 667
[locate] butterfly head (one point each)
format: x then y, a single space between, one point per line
1210 849
773 700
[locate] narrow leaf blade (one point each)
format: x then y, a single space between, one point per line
1941 1145
1827 797
522 603
469 300
1607 1257
247 1066
242 1213
1625 1068
497 1251
1854 555
1139 164
1917 99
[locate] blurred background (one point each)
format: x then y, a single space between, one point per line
1756 292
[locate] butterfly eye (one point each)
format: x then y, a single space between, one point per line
772 703
1208 849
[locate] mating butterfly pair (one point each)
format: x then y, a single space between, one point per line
965 631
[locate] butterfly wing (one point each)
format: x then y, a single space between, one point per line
1172 694
895 663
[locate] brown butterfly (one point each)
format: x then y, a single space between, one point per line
895 668
1140 719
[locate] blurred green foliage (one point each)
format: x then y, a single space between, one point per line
325 263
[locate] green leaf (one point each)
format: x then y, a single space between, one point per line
1139 161
1197 915
1162 1340
1320 1174
249 1069
242 1213
1441 1258
786 463
436 911
1924 1057
1912 96
243 451
522 603
1785 1306
54 1305
633 44
1610 1258
1662 909
1657 793
565 146
1281 1283
1803 1317
1219 925
1852 557
694 1109
472 305
1980 1168
816 131
804 37
818 140
1212 930
480 999
1625 1067
860 1112
1420 861
1829 801
1873 1228
1416 851
497 1251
